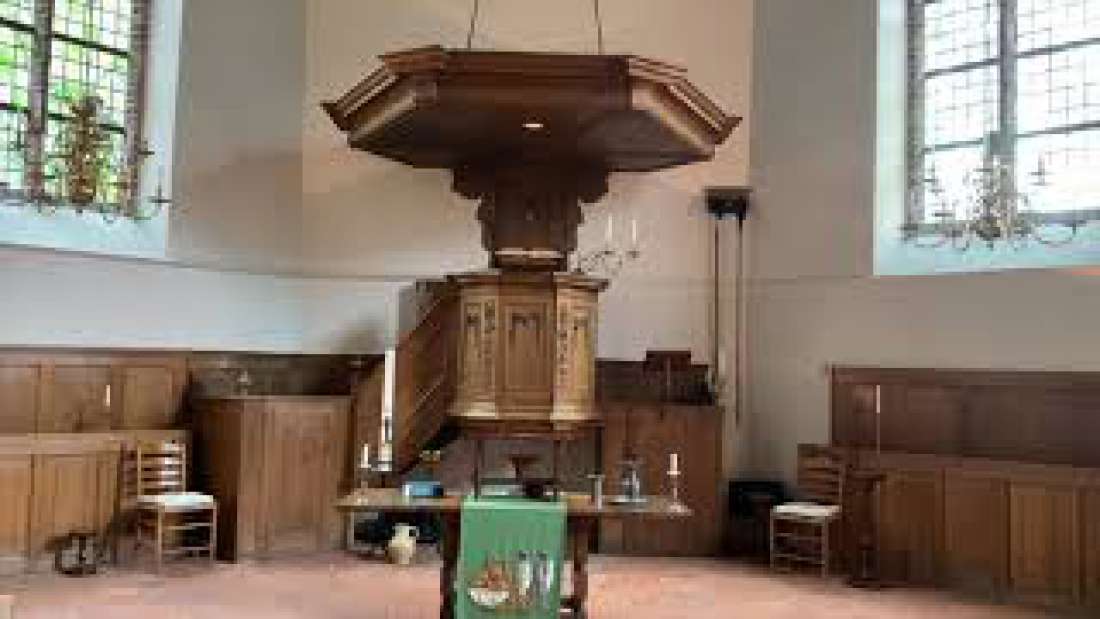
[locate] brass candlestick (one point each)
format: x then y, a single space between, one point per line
674 490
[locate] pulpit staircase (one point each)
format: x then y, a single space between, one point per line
425 379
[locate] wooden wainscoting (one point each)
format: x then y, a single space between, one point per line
1041 417
992 477
991 527
51 485
65 415
58 392
655 430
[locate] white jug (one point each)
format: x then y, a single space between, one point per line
402 547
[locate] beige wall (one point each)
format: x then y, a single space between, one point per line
813 300
238 139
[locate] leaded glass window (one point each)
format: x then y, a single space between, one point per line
53 53
1028 70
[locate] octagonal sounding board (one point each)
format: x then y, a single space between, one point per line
437 108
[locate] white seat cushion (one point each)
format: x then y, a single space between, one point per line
178 500
806 511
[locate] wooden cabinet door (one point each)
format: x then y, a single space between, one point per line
19 386
911 526
150 398
78 398
15 513
71 492
975 532
1044 542
527 364
303 463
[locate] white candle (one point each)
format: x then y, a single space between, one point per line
365 463
610 228
634 232
674 463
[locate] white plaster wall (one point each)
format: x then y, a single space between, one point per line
49 298
813 299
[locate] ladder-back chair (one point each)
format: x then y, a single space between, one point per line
168 518
800 531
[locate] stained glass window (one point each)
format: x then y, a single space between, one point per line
52 54
1025 69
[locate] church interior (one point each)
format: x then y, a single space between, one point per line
512 308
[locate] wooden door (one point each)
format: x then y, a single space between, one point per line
911 526
19 385
976 532
77 398
303 462
15 513
1044 542
72 491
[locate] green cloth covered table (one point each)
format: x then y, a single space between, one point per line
510 559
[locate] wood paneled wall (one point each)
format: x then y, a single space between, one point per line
1042 417
997 528
65 414
992 479
75 391
57 393
51 485
653 431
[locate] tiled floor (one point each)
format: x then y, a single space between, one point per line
344 587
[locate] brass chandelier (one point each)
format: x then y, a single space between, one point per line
81 173
991 207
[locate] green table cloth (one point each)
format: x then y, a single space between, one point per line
509 561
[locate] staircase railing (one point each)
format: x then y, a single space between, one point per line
425 378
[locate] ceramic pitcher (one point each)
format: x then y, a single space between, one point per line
402 547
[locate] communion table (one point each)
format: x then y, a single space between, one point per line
581 518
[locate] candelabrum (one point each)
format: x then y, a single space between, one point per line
987 207
608 261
